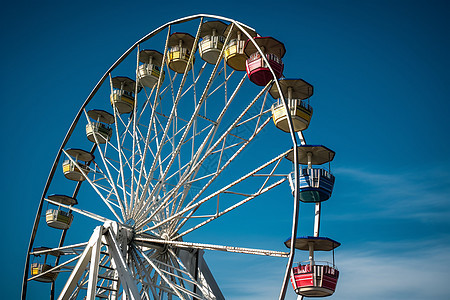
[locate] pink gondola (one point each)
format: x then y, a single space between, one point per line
257 70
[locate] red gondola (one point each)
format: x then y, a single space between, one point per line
314 278
257 70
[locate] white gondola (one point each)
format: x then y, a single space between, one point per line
180 46
295 91
98 130
41 269
316 184
58 218
212 34
234 50
122 96
314 278
71 170
151 68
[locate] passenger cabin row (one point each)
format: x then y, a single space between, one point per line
315 184
313 278
217 40
236 46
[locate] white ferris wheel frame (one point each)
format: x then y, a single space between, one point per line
109 233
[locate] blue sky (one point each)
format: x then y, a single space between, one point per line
380 73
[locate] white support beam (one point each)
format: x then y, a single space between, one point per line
128 284
93 269
188 245
161 274
207 278
317 219
80 267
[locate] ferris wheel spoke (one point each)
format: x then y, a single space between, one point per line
222 138
174 289
121 176
195 80
223 84
203 246
108 173
227 133
74 249
135 128
108 189
194 116
54 269
172 114
80 211
142 172
144 275
92 185
219 214
209 138
194 205
216 214
217 173
124 160
147 103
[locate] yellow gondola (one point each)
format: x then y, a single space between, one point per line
41 269
122 96
295 91
234 50
73 170
180 46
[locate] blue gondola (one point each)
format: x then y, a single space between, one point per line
316 184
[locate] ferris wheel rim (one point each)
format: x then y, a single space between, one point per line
101 81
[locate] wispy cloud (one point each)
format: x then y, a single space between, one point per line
405 270
422 194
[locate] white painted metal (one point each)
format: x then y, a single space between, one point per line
317 219
161 174
203 246
93 268
81 265
311 253
123 270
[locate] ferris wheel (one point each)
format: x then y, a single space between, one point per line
184 139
